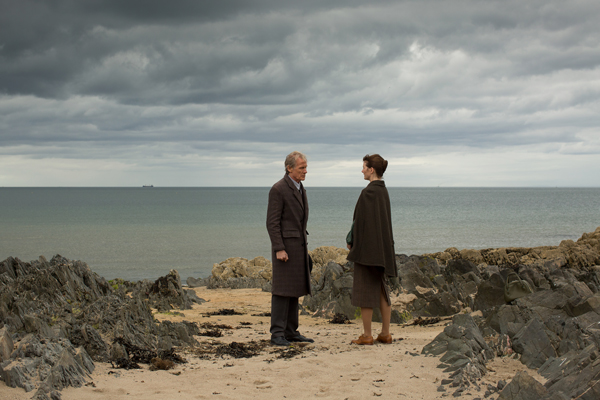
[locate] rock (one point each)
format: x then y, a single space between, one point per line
239 273
92 342
585 253
194 282
574 375
533 344
194 297
463 348
490 293
322 256
6 345
166 293
332 294
523 387
47 309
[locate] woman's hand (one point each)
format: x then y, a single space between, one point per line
349 246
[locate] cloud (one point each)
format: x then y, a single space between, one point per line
156 89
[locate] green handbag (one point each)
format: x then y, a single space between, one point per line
515 287
349 238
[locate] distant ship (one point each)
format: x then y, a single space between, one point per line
148 186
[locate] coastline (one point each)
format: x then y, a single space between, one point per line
538 342
329 368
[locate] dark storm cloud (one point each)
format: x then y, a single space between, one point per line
222 77
148 52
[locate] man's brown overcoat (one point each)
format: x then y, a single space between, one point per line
287 215
373 239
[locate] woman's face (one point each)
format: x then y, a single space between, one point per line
368 173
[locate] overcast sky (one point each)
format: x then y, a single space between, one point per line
216 93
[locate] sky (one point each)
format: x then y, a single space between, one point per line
216 93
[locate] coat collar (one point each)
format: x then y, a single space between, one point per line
379 182
297 194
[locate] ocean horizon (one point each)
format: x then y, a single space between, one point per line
143 232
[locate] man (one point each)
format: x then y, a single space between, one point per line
287 214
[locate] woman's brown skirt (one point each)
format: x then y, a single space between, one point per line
368 284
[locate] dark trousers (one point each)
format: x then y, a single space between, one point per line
284 316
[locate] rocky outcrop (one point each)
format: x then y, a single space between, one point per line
555 329
332 292
584 253
240 273
523 387
322 256
57 317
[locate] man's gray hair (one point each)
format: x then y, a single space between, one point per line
290 160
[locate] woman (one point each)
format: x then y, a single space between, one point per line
371 245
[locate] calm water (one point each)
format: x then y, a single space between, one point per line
137 233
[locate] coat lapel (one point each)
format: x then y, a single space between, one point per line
295 191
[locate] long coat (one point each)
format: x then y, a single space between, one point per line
373 239
287 215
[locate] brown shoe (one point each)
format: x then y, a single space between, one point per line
387 339
362 340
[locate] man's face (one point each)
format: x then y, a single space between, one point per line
298 173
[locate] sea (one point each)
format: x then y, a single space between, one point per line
144 232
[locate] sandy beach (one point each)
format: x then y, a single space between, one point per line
330 368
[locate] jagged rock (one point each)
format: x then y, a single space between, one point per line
533 344
166 293
417 271
67 372
47 307
574 374
463 350
332 294
6 345
90 339
55 362
523 387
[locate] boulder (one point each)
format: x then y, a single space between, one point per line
533 344
333 293
195 282
523 387
239 273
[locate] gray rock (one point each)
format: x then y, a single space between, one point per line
333 293
196 282
6 344
193 296
523 387
90 339
533 344
490 293
50 306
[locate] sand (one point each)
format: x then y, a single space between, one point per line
330 368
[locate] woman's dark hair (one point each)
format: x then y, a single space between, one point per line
376 162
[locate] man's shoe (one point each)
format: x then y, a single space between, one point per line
387 339
300 338
362 340
280 341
